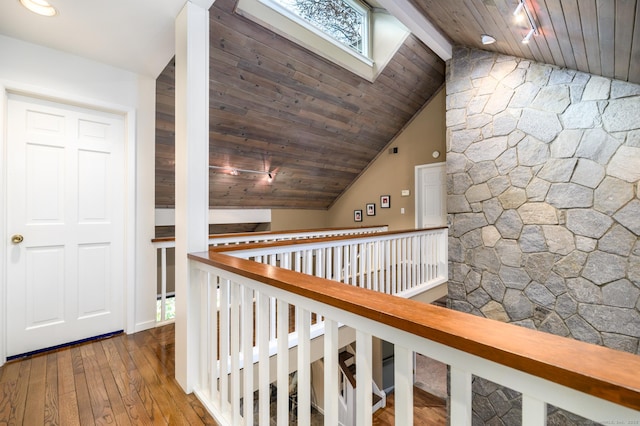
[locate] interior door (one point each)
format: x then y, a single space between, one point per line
65 198
431 195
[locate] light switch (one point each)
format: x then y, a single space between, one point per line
405 193
402 210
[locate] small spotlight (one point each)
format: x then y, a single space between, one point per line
526 38
516 12
270 175
487 39
41 7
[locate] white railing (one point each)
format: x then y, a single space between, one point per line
165 254
592 381
402 263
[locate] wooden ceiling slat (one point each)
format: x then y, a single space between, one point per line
574 32
606 30
561 32
634 68
625 16
541 40
589 18
448 16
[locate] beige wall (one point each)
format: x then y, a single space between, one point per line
287 219
389 174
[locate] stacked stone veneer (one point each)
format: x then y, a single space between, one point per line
543 180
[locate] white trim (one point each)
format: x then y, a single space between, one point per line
413 19
167 217
366 12
3 225
129 138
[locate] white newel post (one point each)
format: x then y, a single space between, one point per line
192 177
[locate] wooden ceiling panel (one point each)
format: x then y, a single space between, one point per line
601 37
277 106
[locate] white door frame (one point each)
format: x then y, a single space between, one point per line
418 212
129 137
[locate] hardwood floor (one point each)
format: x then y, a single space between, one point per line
126 380
427 410
121 380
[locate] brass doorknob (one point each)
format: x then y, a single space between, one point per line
17 239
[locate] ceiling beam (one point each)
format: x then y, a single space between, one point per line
419 25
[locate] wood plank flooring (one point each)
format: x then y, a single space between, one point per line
427 410
123 380
127 380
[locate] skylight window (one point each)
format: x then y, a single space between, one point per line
348 33
346 21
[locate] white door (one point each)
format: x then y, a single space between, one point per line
431 195
65 198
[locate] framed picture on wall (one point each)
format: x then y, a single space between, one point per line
371 209
357 215
385 201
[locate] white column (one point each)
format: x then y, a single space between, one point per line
192 177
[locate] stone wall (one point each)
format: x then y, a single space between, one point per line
543 183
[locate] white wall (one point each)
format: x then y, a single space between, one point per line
46 72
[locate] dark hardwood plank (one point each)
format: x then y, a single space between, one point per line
34 406
100 402
67 397
427 410
51 402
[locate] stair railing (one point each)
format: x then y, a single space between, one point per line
165 245
589 380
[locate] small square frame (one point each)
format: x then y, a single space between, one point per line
371 209
357 215
385 201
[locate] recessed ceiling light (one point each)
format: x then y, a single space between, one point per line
487 39
41 7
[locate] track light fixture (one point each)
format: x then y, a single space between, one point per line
522 10
235 172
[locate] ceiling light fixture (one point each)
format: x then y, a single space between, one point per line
41 7
235 172
487 39
518 13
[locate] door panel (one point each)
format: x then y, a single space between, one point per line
65 197
431 195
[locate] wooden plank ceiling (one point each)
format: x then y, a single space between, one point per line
601 37
276 106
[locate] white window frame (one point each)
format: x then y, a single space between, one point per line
366 36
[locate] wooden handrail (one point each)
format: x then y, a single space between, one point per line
595 370
272 244
266 233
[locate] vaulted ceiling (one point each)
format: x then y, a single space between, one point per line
601 37
275 106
